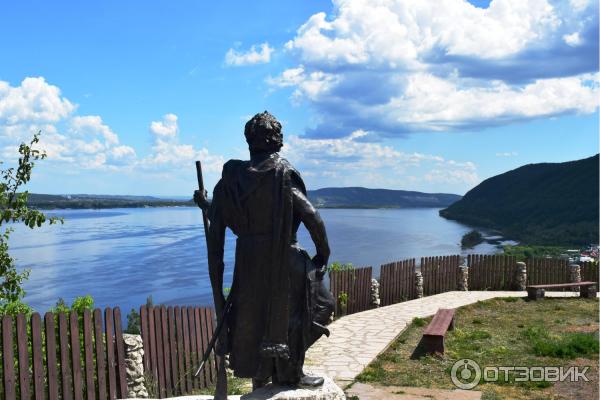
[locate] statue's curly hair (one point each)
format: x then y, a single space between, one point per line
263 133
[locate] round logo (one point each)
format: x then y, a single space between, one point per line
465 374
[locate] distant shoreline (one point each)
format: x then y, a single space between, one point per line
191 204
341 197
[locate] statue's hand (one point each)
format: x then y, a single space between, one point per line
321 263
201 199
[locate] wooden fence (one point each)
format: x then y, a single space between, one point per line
492 272
542 271
589 271
397 282
175 338
356 284
440 274
65 356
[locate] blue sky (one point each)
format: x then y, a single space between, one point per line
421 95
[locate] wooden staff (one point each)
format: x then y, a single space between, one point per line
221 389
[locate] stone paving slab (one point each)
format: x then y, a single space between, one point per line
374 392
357 339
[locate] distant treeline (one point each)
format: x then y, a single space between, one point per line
351 197
360 197
49 202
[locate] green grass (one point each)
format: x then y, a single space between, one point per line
552 332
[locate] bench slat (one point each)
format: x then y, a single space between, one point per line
562 285
440 322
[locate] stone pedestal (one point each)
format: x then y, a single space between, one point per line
575 275
419 284
375 302
329 391
521 278
463 278
134 353
575 272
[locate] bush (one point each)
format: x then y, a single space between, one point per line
338 266
14 210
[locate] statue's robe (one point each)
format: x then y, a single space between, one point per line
276 295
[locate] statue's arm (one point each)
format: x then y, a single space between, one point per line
216 243
314 224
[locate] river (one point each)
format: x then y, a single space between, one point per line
121 256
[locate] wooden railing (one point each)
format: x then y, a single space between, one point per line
175 338
492 272
66 356
397 282
440 274
351 290
542 271
589 271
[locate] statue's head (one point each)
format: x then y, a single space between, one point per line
263 133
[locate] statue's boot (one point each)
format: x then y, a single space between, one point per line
310 381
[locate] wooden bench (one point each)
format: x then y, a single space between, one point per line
433 336
586 289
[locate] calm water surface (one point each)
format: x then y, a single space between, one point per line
121 256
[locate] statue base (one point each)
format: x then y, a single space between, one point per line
328 391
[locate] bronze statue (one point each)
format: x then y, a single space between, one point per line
278 306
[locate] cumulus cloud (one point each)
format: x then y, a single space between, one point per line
572 39
167 151
92 125
260 54
32 101
354 161
392 66
167 128
83 141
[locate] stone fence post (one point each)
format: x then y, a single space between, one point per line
463 278
575 273
419 284
375 301
521 278
134 366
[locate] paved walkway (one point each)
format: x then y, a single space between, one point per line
358 338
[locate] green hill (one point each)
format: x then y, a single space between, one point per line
549 203
360 197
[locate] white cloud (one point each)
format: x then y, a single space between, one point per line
400 32
256 55
82 141
32 101
579 5
91 125
572 39
351 161
507 154
168 152
398 66
166 128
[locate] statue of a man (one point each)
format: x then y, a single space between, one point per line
279 304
